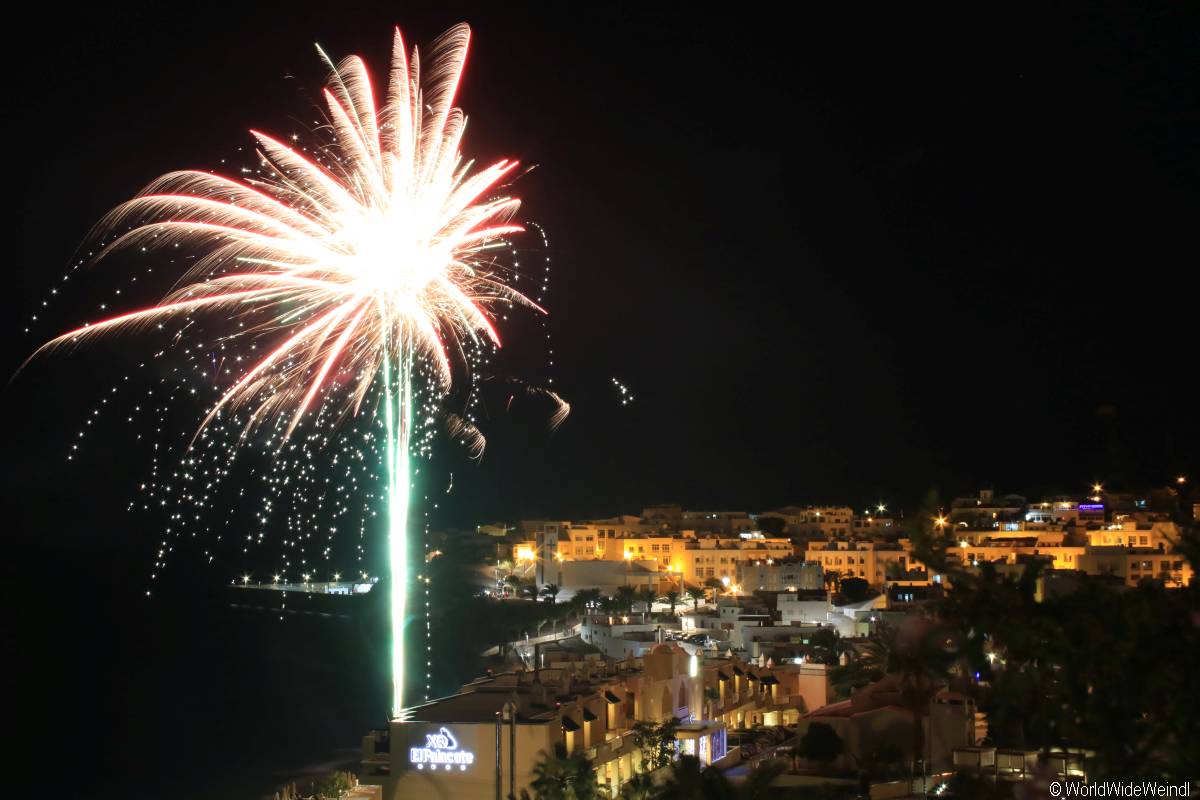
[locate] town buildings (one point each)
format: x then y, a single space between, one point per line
669 547
487 739
754 652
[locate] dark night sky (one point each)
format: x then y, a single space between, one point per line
835 258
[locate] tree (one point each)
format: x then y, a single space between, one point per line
693 596
854 590
690 779
772 526
820 743
563 777
672 597
918 653
829 646
626 596
656 741
333 785
582 599
640 786
550 592
1080 664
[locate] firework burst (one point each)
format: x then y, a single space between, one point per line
371 264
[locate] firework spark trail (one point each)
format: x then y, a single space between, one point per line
369 263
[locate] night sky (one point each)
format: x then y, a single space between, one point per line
836 259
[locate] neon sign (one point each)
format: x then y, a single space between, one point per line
441 750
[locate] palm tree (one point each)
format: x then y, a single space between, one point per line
690 780
921 661
647 595
550 592
563 777
672 598
821 743
583 598
692 595
640 786
626 596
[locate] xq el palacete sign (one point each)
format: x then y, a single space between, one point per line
441 750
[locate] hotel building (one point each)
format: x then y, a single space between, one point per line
486 740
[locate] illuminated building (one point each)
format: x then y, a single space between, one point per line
783 575
815 522
869 526
871 561
986 509
1135 564
487 739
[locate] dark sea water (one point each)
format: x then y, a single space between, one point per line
177 696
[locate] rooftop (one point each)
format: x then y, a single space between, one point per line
469 707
